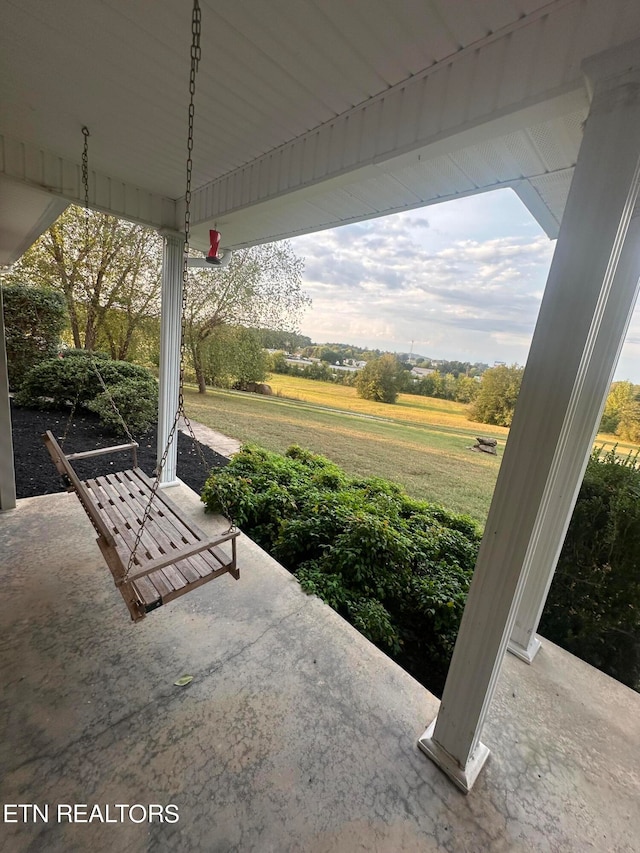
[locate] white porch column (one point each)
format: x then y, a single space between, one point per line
170 331
570 325
7 473
571 459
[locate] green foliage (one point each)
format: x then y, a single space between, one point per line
397 568
34 318
380 379
233 355
261 287
497 395
61 381
593 609
275 339
108 273
622 411
135 399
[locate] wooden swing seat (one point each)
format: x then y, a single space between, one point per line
173 557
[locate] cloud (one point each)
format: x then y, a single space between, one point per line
465 282
389 277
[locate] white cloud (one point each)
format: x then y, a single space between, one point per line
462 280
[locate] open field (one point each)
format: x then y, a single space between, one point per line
419 442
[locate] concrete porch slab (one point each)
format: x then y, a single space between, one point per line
296 734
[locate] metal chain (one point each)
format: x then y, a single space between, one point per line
85 167
195 59
111 400
85 182
180 412
74 406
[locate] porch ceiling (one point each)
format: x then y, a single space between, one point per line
310 113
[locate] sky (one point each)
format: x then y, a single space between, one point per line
461 280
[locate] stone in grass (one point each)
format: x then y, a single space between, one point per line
485 445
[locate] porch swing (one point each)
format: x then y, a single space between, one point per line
153 550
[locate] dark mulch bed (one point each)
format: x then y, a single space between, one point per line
36 474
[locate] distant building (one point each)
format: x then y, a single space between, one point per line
420 372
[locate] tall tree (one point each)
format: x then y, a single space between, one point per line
622 411
497 395
109 271
261 287
380 379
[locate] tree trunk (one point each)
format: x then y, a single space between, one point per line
198 366
200 378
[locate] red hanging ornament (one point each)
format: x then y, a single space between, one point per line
214 239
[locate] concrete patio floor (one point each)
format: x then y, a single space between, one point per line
296 734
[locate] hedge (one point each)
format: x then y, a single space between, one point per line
34 318
72 379
398 569
593 608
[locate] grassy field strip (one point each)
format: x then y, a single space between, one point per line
408 408
387 428
431 464
467 432
419 442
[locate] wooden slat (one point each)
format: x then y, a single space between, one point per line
215 561
174 555
184 526
162 536
125 526
166 580
167 534
58 456
102 451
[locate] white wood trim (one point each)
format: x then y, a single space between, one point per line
571 458
428 108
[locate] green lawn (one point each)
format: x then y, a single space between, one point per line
419 442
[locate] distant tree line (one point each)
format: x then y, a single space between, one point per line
499 387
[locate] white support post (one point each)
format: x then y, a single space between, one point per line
170 334
7 472
571 459
570 325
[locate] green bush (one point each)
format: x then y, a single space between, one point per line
593 609
34 318
135 399
72 378
398 569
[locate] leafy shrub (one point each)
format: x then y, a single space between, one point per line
135 399
398 569
34 319
593 609
73 379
